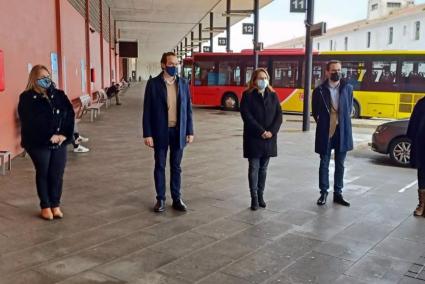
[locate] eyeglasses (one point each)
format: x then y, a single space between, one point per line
44 77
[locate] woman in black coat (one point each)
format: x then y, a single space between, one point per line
416 133
47 125
262 117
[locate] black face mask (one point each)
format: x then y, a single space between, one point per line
335 76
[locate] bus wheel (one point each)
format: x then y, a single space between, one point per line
229 102
355 112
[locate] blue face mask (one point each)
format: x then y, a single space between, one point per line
262 84
44 83
171 70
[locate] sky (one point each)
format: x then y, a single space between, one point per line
277 24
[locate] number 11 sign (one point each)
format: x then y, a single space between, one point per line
297 6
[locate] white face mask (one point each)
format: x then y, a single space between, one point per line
262 84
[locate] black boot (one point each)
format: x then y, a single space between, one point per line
254 200
340 200
261 201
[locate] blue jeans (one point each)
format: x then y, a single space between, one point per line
339 166
257 173
176 155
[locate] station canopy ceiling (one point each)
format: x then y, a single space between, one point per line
159 25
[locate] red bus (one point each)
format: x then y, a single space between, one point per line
386 83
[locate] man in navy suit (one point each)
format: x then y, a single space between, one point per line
167 123
332 104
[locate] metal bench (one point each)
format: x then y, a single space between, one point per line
104 98
88 105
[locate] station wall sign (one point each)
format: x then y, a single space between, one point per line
318 29
222 41
247 29
297 6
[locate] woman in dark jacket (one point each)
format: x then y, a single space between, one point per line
47 124
262 117
416 133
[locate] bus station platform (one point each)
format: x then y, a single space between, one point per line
111 235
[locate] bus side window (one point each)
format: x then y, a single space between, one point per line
229 73
248 73
237 75
285 74
383 75
316 79
413 76
353 73
205 73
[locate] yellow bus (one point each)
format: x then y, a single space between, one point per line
387 84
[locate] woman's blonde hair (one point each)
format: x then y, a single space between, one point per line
33 76
252 82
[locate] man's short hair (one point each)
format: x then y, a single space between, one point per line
328 65
165 55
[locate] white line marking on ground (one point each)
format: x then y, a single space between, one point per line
408 186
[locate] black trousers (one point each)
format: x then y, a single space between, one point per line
49 168
421 178
74 140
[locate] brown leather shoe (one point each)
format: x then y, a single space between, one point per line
46 214
420 209
57 213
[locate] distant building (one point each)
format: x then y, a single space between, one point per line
391 24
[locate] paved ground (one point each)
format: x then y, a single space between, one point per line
110 235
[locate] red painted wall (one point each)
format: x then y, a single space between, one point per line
116 61
95 59
106 75
120 68
28 37
25 37
73 48
112 64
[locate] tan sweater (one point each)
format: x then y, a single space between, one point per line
172 104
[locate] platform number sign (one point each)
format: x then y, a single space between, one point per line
247 29
297 6
222 41
206 49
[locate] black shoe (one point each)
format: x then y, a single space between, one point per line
340 200
254 200
179 205
261 201
159 206
322 198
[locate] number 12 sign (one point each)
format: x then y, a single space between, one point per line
247 29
